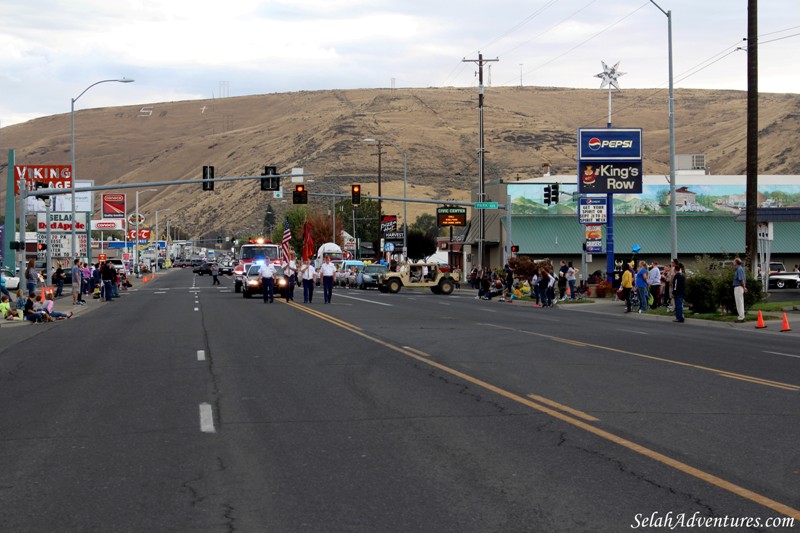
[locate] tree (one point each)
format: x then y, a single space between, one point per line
322 228
367 224
297 216
420 245
427 224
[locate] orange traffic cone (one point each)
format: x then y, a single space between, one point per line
145 280
785 326
760 324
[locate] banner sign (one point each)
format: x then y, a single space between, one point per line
113 205
451 216
592 210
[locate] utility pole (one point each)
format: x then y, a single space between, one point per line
379 154
751 194
481 194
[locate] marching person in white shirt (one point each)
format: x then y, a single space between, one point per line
290 271
267 273
308 274
327 270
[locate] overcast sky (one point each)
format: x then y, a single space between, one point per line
191 49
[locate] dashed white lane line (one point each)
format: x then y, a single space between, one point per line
206 418
201 355
160 292
363 300
196 308
786 354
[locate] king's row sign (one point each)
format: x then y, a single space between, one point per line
610 160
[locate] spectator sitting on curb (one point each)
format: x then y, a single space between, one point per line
31 313
47 307
5 309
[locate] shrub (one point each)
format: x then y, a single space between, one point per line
701 294
723 289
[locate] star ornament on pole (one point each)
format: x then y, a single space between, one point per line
609 76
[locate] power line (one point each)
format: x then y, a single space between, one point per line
571 15
586 40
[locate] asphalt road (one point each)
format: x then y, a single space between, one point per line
184 407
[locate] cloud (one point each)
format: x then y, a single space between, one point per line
55 49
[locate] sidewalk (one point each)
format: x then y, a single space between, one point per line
64 305
774 325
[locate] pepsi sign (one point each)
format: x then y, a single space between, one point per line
610 144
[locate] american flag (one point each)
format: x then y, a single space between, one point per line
287 236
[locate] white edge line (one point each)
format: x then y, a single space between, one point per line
201 355
206 418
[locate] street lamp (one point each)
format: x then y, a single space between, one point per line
73 245
673 213
405 182
136 237
158 246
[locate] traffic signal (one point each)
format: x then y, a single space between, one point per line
515 248
355 191
300 194
15 245
547 196
208 174
41 247
554 194
270 184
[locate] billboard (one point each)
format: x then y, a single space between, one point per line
63 202
694 195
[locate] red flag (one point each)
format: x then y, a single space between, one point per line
308 242
287 236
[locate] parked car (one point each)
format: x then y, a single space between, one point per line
226 267
784 280
252 284
369 275
12 281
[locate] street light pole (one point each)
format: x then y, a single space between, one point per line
673 213
405 184
73 244
136 237
158 246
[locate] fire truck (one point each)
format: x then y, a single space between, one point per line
254 251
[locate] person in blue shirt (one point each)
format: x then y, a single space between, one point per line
739 288
642 286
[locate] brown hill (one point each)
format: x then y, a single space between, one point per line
323 132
